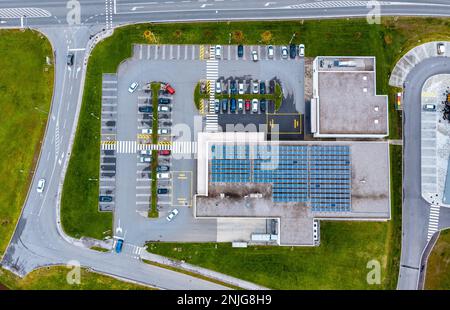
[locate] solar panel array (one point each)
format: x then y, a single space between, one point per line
315 174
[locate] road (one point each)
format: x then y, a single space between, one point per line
37 240
415 208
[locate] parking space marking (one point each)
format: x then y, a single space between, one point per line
163 52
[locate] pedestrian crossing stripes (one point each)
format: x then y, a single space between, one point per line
23 12
212 74
433 221
131 147
212 54
336 4
184 147
212 123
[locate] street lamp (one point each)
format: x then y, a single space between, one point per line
40 110
92 179
93 115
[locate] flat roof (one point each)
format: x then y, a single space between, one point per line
347 102
370 190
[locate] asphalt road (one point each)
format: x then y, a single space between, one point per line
415 208
37 241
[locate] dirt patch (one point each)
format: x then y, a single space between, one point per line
308 78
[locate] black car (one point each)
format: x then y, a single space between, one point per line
224 105
271 86
70 57
240 50
163 101
163 191
233 105
262 105
292 51
105 198
262 88
233 88
162 168
146 109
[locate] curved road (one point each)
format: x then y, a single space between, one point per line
37 241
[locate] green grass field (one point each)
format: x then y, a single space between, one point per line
26 86
387 41
54 278
338 263
438 268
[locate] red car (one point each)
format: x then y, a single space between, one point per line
164 152
247 104
169 89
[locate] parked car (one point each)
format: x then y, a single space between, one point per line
255 105
70 58
133 87
163 175
163 101
441 48
262 105
255 87
270 51
429 107
119 245
233 105
164 109
271 86
172 214
262 87
162 168
241 89
240 104
301 50
146 152
218 51
162 191
292 51
233 89
168 88
146 131
224 105
145 109
41 185
164 152
247 104
163 131
218 87
255 56
145 159
240 50
284 52
217 106
105 198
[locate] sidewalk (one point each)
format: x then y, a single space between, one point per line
201 271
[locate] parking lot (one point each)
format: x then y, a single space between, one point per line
127 128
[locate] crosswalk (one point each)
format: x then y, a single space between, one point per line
22 12
433 222
334 4
184 147
212 74
131 147
132 250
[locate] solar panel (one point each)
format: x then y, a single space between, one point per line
319 175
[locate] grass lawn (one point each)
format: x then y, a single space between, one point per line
54 278
387 41
338 263
26 86
438 269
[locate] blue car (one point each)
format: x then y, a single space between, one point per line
119 245
233 105
224 105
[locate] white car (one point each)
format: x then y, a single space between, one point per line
218 51
270 51
241 88
40 186
163 131
133 87
240 104
147 131
255 56
146 152
163 108
146 159
440 48
255 87
255 105
218 87
172 214
163 175
284 52
301 50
